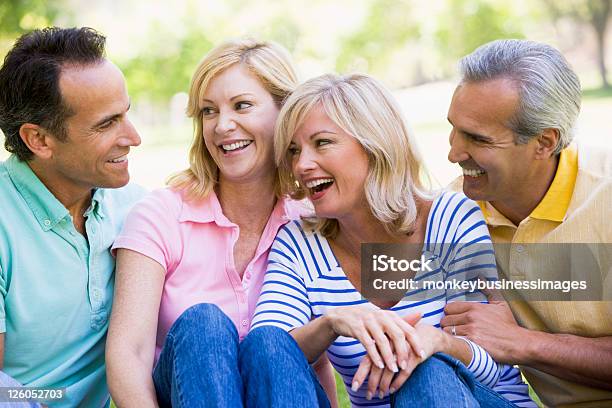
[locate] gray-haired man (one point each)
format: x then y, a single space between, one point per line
513 115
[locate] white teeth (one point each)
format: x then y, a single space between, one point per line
473 172
119 159
314 183
236 145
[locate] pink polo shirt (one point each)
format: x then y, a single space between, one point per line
194 243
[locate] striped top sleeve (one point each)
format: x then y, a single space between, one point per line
284 291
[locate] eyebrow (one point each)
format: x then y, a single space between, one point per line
112 116
471 135
232 98
318 132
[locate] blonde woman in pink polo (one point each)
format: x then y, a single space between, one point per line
191 257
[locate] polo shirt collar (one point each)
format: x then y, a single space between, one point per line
555 203
46 208
209 210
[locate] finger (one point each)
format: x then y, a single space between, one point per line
493 295
459 307
412 319
454 320
385 381
403 375
383 345
453 330
370 345
373 381
413 340
365 366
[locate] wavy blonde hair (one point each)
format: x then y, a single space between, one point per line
270 63
364 109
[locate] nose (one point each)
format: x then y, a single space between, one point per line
303 163
225 123
457 152
131 137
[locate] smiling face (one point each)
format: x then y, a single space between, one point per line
238 117
331 164
99 133
482 143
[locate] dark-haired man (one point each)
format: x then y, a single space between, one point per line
63 195
513 115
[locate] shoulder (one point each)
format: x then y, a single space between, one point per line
296 229
596 161
453 216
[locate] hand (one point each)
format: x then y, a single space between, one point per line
385 380
492 326
385 336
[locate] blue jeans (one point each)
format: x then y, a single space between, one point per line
443 381
203 364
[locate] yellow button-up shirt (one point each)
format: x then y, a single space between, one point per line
577 208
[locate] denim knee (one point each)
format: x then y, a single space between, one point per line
266 342
203 319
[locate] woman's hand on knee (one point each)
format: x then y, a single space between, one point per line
387 338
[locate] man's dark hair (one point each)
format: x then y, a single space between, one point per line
29 80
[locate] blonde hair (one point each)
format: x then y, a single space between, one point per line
364 109
270 63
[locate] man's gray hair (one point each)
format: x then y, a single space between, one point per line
549 90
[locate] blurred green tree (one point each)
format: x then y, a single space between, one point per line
467 24
387 29
20 16
595 13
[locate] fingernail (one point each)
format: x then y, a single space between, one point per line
380 364
391 390
369 396
403 364
394 367
355 386
423 355
381 395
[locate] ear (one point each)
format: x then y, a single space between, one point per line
546 143
37 139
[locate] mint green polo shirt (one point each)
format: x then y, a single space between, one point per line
57 287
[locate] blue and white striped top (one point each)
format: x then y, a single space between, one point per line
304 281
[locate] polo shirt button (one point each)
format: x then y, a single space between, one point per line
520 249
47 222
244 322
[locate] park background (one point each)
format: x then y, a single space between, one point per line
412 46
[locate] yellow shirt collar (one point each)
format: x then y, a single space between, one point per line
555 203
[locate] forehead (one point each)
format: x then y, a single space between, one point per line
95 89
316 120
232 81
479 106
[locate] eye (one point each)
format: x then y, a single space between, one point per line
293 150
109 123
242 105
322 142
207 110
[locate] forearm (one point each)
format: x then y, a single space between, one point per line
580 359
130 381
315 337
325 374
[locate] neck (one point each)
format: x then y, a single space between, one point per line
363 227
75 199
247 204
521 203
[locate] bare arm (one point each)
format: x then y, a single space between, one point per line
130 346
580 359
325 374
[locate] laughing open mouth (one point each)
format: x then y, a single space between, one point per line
232 147
316 186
